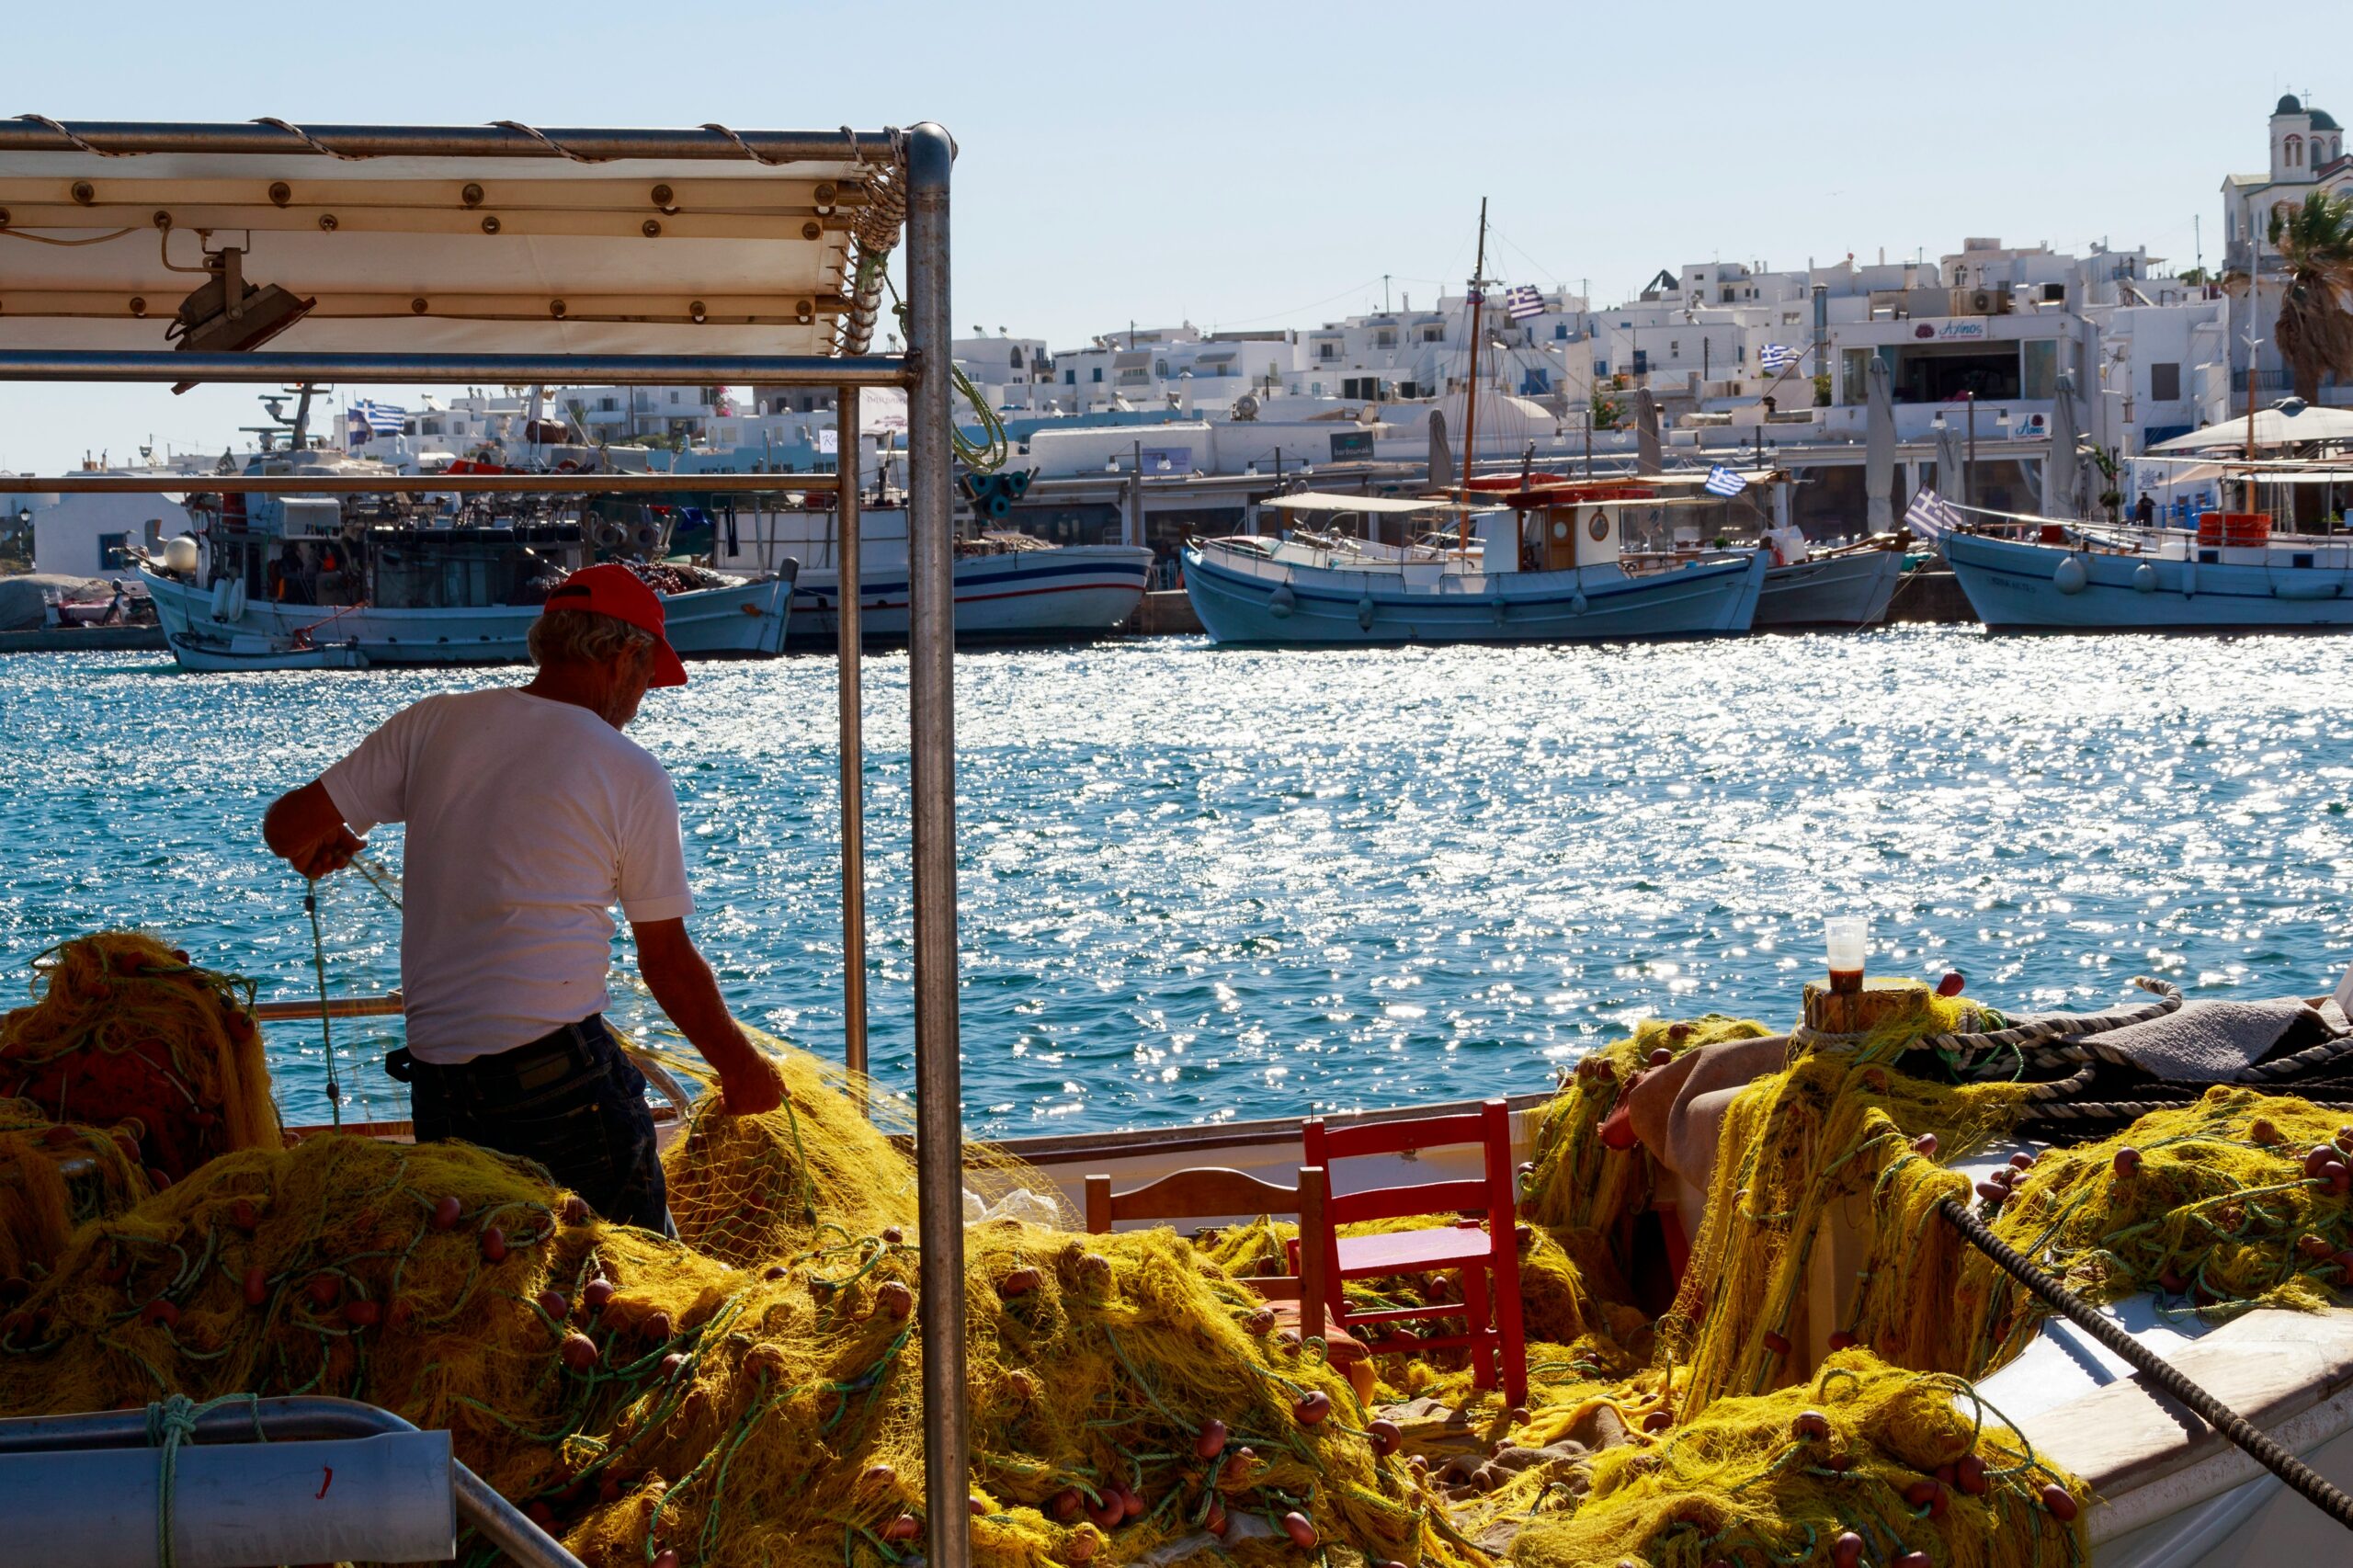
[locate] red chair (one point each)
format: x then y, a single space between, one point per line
1486 1249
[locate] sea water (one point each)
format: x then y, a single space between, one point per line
1200 883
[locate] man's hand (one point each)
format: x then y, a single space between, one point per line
751 1084
682 983
306 830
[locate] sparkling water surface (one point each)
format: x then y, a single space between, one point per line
1201 884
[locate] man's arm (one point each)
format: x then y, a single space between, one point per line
682 983
305 828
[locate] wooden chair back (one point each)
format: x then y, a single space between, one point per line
1212 1192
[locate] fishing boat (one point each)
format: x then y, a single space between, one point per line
1009 586
2229 573
240 651
1546 562
1842 586
793 1355
413 585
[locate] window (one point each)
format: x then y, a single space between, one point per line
2165 382
1601 366
1384 338
1433 335
1099 372
1069 378
674 400
1675 349
608 406
2039 369
2295 152
114 552
1327 351
1160 369
1853 375
1560 332
1017 357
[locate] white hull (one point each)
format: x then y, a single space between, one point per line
2304 585
214 656
1079 590
749 619
1243 597
1852 589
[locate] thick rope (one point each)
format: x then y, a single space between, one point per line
2062 1025
327 1016
2258 1444
170 1423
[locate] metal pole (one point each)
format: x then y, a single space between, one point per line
848 611
931 703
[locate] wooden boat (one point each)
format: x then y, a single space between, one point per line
1845 586
244 651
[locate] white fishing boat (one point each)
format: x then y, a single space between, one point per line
1550 564
1846 585
241 650
1009 586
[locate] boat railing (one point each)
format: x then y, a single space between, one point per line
385 1517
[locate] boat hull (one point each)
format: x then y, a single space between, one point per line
2013 587
749 620
1327 607
1074 591
1830 591
215 657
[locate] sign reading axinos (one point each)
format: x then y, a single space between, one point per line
1958 327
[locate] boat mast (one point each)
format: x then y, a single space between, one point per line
2254 320
1471 391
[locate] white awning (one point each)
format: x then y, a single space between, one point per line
552 254
1313 500
2274 428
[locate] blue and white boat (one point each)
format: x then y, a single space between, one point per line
2230 575
1553 566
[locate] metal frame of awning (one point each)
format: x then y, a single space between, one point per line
923 159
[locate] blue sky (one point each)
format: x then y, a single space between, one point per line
1264 165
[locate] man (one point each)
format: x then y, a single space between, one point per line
2144 510
530 816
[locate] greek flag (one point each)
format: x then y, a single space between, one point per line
379 418
1523 303
1776 358
1721 480
1931 516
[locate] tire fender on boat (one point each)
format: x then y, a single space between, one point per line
1282 602
2145 578
2071 576
220 600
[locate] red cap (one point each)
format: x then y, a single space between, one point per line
615 590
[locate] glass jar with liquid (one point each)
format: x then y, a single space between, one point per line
1848 937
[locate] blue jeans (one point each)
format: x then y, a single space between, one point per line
570 1100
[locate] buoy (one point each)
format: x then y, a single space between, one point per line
2262 1130
904 1527
493 1245
1108 1512
1302 1531
1951 984
1017 1282
551 1302
595 1293
892 1235
2145 578
361 1313
1314 1408
1970 1475
1925 1144
1364 612
1210 1442
257 1286
2071 576
2060 1501
894 1300
1134 1502
1778 1344
1576 604
579 1352
1810 1427
1847 1550
1385 1435
1063 1505
1661 1057
447 1214
1281 602
2127 1160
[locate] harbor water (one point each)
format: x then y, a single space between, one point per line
1201 884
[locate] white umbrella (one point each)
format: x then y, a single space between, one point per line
1952 467
2274 428
1879 452
1646 458
2062 471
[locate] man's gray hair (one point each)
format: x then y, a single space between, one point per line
584 637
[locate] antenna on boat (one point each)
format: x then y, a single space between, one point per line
1470 388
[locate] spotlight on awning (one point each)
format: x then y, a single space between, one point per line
228 316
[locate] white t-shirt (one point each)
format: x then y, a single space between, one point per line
527 820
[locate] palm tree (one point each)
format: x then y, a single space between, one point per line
2315 329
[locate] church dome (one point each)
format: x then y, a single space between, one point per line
2288 105
2324 120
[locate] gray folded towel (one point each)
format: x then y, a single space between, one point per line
2214 1042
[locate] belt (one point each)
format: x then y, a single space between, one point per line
559 1055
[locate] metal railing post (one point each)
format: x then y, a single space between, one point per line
931 703
849 611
